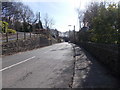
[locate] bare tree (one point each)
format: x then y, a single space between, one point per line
90 13
49 22
80 16
13 12
26 13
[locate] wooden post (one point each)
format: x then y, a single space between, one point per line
6 34
24 32
6 37
24 35
30 34
17 35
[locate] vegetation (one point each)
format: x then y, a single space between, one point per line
11 31
103 20
16 14
21 18
4 26
49 22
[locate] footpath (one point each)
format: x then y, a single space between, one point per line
89 73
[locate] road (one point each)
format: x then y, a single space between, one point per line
54 67
46 67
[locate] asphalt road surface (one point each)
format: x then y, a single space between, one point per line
54 67
46 67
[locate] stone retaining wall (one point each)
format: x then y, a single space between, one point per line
24 45
107 54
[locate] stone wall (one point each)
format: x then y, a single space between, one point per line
106 54
24 45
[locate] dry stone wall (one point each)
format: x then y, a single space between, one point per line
24 45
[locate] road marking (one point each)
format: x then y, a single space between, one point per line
16 64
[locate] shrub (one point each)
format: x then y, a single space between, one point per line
11 31
3 26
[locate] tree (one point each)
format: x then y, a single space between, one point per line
104 25
103 22
15 13
7 12
80 17
49 22
90 13
26 15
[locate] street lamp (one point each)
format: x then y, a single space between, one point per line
73 33
69 32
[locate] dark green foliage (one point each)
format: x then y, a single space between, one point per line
104 23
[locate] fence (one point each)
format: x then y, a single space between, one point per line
24 45
6 37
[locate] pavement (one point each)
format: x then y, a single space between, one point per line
61 65
90 73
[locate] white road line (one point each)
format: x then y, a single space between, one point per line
16 64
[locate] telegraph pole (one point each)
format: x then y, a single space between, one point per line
39 24
39 28
74 34
39 16
80 25
69 33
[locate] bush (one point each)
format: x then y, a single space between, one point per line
11 31
3 26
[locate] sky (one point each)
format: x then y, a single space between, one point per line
63 12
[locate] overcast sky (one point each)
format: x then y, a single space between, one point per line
62 11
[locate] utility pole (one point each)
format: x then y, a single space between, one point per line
39 16
69 35
39 24
74 34
74 39
80 25
39 28
39 20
